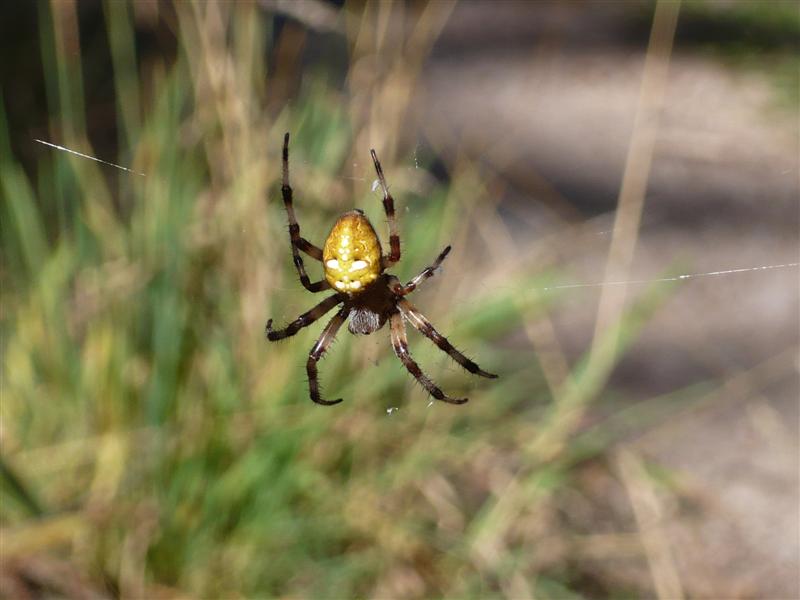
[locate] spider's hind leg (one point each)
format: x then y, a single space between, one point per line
388 207
400 345
425 327
298 243
427 272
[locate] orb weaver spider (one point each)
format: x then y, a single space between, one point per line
354 266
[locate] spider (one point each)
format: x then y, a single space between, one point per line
355 268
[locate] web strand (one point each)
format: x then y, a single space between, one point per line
675 278
76 153
548 288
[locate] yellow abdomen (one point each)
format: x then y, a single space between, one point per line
352 253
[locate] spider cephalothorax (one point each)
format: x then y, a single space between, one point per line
355 267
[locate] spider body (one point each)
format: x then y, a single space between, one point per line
351 256
354 268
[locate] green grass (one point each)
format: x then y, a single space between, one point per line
151 437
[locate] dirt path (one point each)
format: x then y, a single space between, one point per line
550 106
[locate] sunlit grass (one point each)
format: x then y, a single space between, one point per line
153 439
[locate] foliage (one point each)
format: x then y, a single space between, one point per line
155 441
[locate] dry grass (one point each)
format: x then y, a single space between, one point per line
153 445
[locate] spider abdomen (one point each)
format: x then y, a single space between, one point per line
352 253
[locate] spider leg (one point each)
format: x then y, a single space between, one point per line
402 290
304 320
400 345
418 320
318 350
298 243
388 206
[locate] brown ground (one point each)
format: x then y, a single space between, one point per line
546 96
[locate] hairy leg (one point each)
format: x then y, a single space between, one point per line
298 243
304 320
402 290
318 350
418 320
400 345
388 206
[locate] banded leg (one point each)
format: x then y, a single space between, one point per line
402 290
318 350
303 320
400 345
388 206
418 320
298 243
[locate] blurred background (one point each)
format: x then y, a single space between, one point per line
642 440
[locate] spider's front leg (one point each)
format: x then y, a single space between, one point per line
323 343
298 243
304 320
400 345
425 327
388 207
